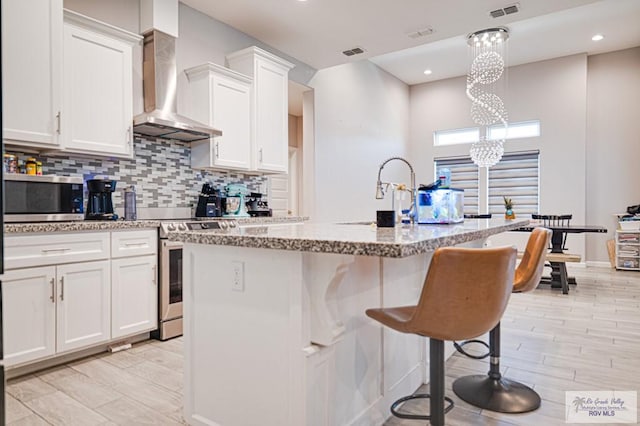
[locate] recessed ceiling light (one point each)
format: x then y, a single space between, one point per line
427 72
597 37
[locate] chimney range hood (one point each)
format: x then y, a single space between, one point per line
160 119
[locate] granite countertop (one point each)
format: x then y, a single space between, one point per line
359 238
107 225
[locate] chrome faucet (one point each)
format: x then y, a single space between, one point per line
380 188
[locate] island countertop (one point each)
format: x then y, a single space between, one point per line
356 238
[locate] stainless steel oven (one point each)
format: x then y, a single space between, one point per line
170 296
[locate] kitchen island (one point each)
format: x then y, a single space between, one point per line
275 330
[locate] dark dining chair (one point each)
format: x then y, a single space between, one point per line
557 261
551 220
478 216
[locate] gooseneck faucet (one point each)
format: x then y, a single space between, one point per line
380 189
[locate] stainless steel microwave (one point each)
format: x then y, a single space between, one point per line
29 198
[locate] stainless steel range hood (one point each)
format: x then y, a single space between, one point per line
160 119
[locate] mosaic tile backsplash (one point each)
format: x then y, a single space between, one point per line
160 170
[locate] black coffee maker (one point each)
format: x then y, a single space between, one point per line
209 202
99 203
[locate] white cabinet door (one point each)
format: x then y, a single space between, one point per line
97 95
134 295
31 71
29 314
222 99
269 116
84 304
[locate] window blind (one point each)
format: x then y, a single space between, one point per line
464 175
516 176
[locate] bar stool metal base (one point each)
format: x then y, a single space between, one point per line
500 395
416 416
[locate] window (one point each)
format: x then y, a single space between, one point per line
464 175
522 129
455 136
515 177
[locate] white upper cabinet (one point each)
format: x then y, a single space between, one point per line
221 98
98 84
269 117
31 71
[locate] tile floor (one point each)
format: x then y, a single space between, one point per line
587 340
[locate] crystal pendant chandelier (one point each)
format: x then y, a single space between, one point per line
484 82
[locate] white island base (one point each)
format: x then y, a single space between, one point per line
280 337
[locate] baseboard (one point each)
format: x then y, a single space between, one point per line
21 370
599 264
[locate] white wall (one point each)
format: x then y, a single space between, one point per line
552 91
613 140
361 119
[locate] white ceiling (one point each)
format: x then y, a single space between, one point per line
317 31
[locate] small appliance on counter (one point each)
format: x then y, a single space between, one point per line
99 202
439 205
234 205
29 198
209 202
256 206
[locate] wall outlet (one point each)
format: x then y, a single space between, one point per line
237 275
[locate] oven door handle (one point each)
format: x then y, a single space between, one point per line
172 244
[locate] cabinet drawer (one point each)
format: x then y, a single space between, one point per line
22 251
134 243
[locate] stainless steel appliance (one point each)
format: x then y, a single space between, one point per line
171 277
160 118
99 202
256 206
30 198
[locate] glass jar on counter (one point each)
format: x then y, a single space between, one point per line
39 168
31 166
10 163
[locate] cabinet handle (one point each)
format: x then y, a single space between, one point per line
55 249
129 135
217 149
135 244
53 290
58 123
61 288
154 275
260 154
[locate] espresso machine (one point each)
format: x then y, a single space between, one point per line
99 202
256 206
209 202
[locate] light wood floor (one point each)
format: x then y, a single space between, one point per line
587 340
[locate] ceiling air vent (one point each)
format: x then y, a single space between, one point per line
354 51
421 33
507 10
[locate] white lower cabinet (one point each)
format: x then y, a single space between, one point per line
83 305
134 295
29 314
55 309
60 295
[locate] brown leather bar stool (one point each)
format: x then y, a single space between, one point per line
464 295
492 391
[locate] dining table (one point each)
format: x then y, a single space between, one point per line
559 278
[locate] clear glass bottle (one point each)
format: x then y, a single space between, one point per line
130 212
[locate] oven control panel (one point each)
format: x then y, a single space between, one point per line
197 225
205 226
